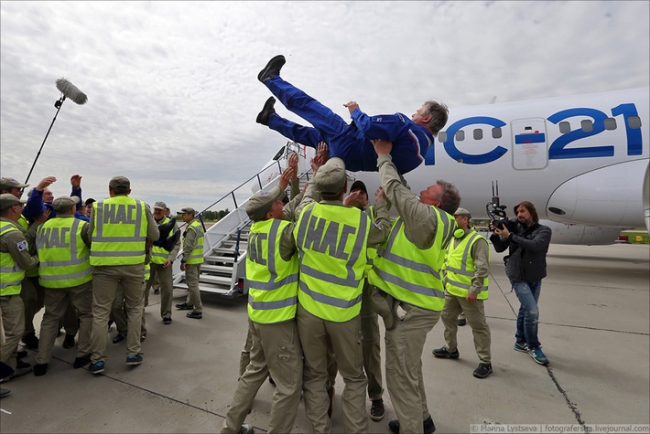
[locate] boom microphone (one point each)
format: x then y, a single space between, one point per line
68 90
71 91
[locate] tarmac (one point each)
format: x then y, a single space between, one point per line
594 327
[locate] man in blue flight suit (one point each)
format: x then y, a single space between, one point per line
351 143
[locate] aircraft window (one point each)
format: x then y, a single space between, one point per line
610 124
587 126
565 127
442 136
478 134
460 135
496 133
634 122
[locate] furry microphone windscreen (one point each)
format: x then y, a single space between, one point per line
71 91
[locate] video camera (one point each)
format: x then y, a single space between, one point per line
495 210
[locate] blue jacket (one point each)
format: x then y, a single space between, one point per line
35 205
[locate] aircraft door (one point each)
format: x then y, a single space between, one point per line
529 144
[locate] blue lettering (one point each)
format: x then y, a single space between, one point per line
634 140
557 150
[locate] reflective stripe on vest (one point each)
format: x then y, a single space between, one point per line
196 255
410 274
147 271
460 267
332 243
372 250
11 275
63 255
158 254
272 281
119 232
23 222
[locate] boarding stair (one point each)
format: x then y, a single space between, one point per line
226 242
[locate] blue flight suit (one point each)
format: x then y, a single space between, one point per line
351 142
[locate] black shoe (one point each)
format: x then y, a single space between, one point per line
4 392
156 291
22 368
31 341
443 353
82 361
21 354
462 321
167 320
142 338
118 338
377 409
170 242
264 116
483 370
184 306
272 69
40 369
246 429
96 368
110 324
134 360
428 425
195 315
68 342
164 230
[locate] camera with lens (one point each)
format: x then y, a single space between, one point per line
496 211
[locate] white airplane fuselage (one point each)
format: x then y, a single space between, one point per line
582 160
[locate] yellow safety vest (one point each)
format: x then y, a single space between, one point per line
196 256
460 267
158 254
22 221
371 252
332 243
11 275
63 255
272 281
411 274
147 271
119 232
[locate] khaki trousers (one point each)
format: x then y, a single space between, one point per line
105 283
245 357
276 351
33 295
346 341
475 313
13 321
371 345
166 287
404 345
118 312
192 272
56 304
70 320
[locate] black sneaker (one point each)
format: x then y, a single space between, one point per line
118 338
195 315
272 69
377 409
246 429
22 368
82 361
264 116
156 291
483 370
134 360
184 306
68 342
21 354
31 341
167 320
443 353
40 369
96 368
428 426
462 321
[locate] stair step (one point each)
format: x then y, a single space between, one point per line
220 259
214 289
219 280
216 269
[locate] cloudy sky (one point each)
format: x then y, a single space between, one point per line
173 92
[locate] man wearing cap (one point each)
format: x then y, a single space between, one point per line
272 276
408 272
358 198
63 251
191 262
332 241
11 186
466 286
15 258
161 267
120 227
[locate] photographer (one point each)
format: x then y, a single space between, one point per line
525 267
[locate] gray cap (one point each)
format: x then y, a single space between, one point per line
187 210
118 182
260 203
8 200
331 177
464 212
9 183
159 205
64 204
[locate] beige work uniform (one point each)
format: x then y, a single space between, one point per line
192 271
166 278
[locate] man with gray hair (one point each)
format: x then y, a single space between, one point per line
191 262
466 286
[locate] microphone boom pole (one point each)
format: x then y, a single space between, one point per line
69 90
